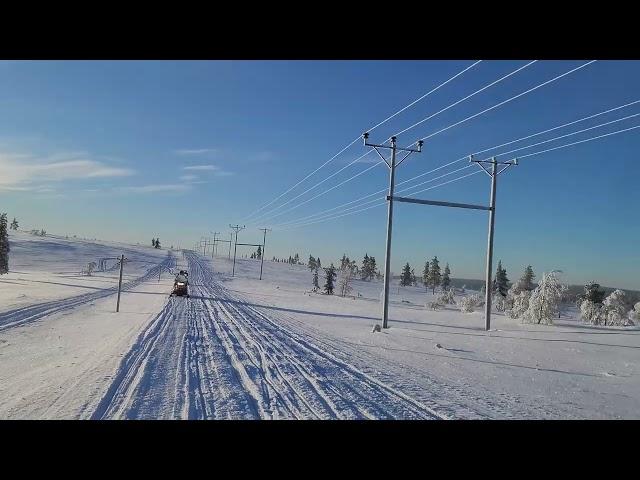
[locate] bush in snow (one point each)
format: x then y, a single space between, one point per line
615 307
634 315
545 300
344 280
520 304
590 312
469 303
499 303
446 297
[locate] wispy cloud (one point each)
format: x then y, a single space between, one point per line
169 188
188 178
196 151
20 171
209 168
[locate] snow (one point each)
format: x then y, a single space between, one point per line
247 348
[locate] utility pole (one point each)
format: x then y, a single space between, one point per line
264 241
236 228
215 244
492 216
392 175
120 282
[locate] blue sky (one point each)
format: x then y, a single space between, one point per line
132 150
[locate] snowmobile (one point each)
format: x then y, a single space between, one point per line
181 285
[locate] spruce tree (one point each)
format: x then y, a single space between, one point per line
4 245
157 243
316 287
312 263
500 283
527 278
14 224
405 278
318 264
435 277
414 282
366 273
425 275
446 280
330 276
259 253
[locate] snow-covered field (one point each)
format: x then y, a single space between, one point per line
245 348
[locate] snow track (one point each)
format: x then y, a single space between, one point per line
215 357
31 313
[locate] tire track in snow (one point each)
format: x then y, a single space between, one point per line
211 357
32 313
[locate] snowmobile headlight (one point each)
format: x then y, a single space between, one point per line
181 284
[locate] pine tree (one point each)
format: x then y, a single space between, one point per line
296 259
343 261
435 277
259 252
593 293
413 278
425 275
405 278
14 224
157 245
318 264
316 287
527 278
446 280
330 276
4 245
500 283
312 263
366 271
153 242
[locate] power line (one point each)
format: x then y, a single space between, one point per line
370 130
455 124
509 99
475 153
465 176
467 97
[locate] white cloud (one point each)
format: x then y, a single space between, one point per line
23 171
210 168
196 151
169 188
188 178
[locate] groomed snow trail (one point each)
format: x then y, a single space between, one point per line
215 357
31 313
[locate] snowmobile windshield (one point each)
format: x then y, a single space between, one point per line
181 278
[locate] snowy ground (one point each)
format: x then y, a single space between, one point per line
244 348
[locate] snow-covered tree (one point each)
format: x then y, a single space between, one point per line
312 263
499 303
591 312
258 254
634 315
520 304
14 224
545 300
446 297
316 287
469 303
344 280
425 275
405 278
330 276
157 244
153 242
4 245
318 263
615 307
446 280
414 281
435 277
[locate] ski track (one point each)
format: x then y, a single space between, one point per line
214 357
32 313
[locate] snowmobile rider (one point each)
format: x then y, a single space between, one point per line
181 278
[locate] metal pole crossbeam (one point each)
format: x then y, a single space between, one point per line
392 173
442 204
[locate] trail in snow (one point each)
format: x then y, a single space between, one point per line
213 357
31 313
